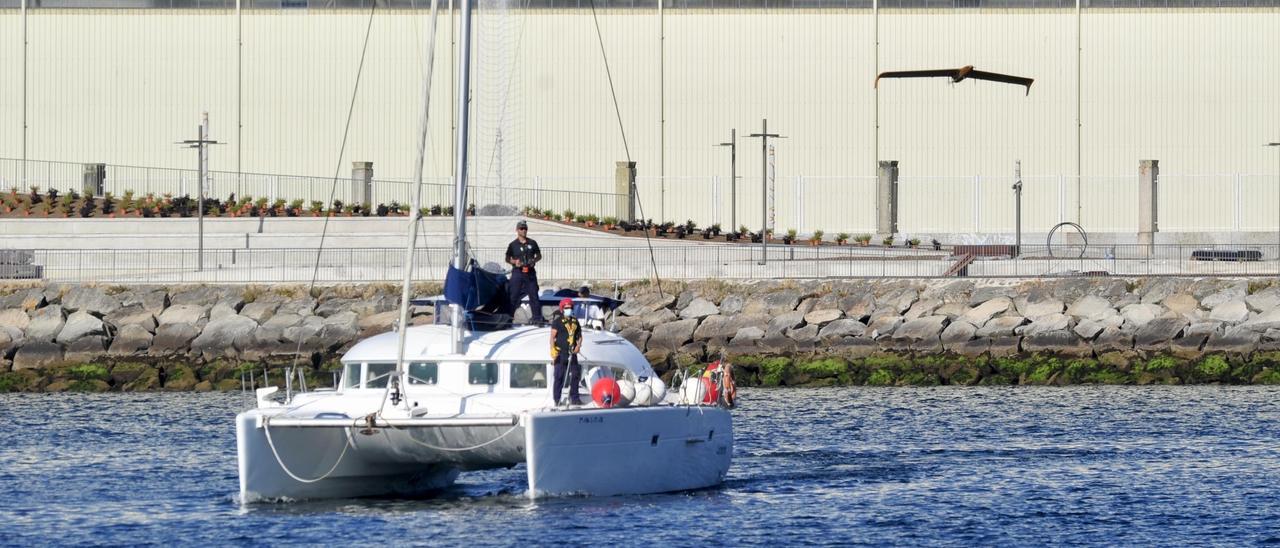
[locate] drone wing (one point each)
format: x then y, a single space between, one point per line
949 73
1004 78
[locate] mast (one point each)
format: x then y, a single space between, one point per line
460 182
416 197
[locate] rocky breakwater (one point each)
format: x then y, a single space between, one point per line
883 332
59 337
1083 330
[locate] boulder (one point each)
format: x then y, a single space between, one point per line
842 328
306 336
26 301
922 308
699 308
1159 332
1112 339
46 323
341 328
726 327
883 326
732 304
203 296
979 315
1235 340
1182 303
152 300
334 306
949 292
173 338
673 335
132 315
647 304
15 318
1234 292
1264 321
974 347
1155 290
219 337
859 307
823 317
191 314
221 310
781 323
1090 307
301 306
806 334
1042 307
747 336
85 349
1056 342
958 332
1043 324
983 294
37 354
952 310
926 328
1002 326
1001 346
773 303
91 300
382 321
637 337
1233 311
1089 329
80 324
899 300
283 321
1140 314
1262 301
132 339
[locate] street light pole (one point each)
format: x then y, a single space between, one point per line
199 143
764 136
733 177
1277 205
1017 208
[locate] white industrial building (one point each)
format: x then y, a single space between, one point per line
1194 85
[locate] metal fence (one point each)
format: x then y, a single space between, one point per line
685 262
806 203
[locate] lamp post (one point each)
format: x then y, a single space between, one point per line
1017 208
202 164
733 177
1278 205
764 136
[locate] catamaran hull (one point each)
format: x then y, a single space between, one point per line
344 462
604 452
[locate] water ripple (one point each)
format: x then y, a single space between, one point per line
832 466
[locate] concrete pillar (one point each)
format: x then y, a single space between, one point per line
624 176
93 178
1148 192
887 198
361 182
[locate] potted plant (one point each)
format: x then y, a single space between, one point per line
816 239
383 210
863 239
888 241
295 208
109 205
317 207
34 198
914 242
569 215
715 229
592 220
609 222
790 237
842 238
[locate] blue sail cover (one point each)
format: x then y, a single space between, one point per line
472 288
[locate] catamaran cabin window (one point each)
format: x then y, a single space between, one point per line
528 375
422 373
483 373
379 374
352 376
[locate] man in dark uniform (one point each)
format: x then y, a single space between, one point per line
522 254
566 341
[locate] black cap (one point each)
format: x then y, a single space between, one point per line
522 224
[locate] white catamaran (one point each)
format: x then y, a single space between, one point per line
417 406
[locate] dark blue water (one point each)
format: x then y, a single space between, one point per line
956 466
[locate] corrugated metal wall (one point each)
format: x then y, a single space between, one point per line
1198 90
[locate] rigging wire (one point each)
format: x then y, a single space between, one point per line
622 129
342 149
506 94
